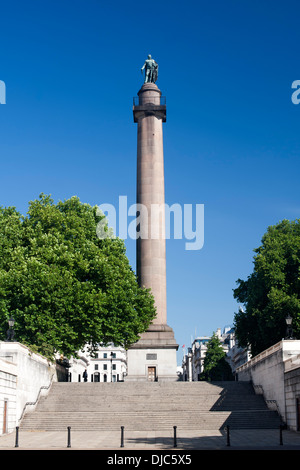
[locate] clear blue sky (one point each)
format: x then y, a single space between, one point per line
231 139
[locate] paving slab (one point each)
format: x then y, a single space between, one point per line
150 440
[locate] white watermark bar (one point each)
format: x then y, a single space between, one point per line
157 222
296 95
2 92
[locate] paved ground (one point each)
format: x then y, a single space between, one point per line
204 440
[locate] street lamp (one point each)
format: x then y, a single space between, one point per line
111 369
10 332
289 329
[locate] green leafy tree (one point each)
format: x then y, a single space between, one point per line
64 285
272 291
215 366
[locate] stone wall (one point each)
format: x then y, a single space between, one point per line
22 374
292 392
8 396
267 371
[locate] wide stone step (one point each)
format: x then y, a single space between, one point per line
95 421
150 406
139 407
191 388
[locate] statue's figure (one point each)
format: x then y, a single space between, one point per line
151 70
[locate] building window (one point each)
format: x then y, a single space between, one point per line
114 366
105 355
104 366
96 366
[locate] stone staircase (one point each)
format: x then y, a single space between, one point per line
151 406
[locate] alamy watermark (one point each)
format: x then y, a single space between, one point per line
154 222
296 94
2 92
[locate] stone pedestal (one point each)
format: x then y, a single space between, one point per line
154 356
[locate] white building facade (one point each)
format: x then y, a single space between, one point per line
24 376
193 361
107 364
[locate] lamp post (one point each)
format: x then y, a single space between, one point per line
10 332
111 365
289 329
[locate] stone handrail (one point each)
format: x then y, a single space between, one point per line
260 356
33 403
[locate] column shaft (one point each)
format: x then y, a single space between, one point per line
151 245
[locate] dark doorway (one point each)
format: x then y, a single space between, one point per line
298 413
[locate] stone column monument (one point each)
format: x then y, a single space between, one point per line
153 357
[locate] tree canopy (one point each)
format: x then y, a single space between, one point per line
272 291
215 366
63 285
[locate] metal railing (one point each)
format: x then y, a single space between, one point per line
271 404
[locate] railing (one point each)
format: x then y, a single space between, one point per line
33 403
271 404
163 101
258 389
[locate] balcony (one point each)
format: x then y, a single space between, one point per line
156 108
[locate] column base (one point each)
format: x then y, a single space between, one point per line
153 358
